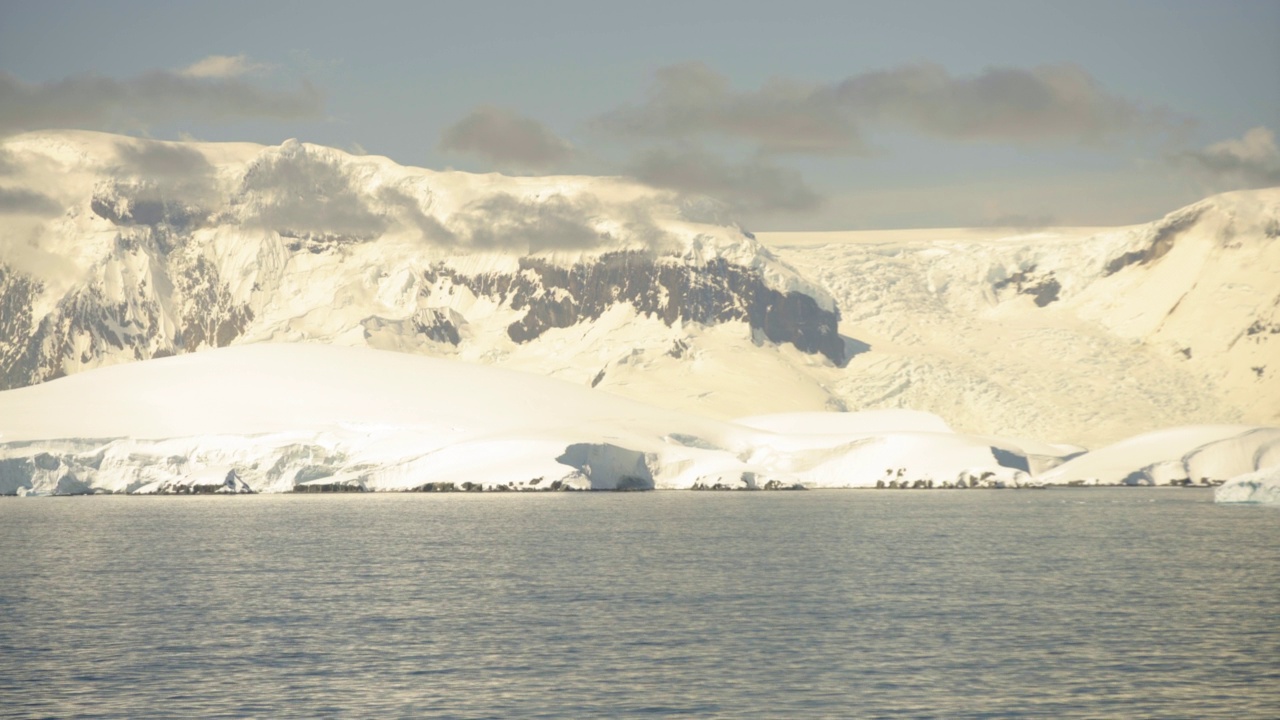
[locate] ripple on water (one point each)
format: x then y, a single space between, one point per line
1064 603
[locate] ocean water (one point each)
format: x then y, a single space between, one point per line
1063 603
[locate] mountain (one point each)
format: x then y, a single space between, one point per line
125 249
1085 335
116 249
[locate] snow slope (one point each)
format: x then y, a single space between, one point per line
1084 335
276 417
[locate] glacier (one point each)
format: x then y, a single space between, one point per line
1083 335
296 417
307 417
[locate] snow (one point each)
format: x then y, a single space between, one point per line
299 416
1261 487
405 208
848 423
212 480
973 369
1189 337
278 417
1193 454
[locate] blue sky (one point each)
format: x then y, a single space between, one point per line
804 115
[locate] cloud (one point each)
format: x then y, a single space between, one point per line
690 100
1250 161
506 138
21 201
96 102
1047 103
220 66
162 160
504 222
411 213
300 192
20 250
753 186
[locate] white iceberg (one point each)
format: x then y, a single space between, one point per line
1261 487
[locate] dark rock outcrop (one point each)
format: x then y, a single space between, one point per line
718 291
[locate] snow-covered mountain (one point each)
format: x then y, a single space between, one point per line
116 249
1085 335
124 249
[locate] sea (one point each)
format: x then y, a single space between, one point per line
1056 603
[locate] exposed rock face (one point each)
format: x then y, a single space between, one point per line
1159 241
141 302
719 291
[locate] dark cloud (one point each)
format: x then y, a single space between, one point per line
1049 102
753 186
506 138
302 192
14 201
504 222
162 160
96 102
691 99
1251 161
1046 103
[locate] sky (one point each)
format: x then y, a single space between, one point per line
800 115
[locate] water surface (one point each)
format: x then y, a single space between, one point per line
1060 603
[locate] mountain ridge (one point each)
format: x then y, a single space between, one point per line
180 247
141 249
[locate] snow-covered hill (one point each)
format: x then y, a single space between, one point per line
1084 335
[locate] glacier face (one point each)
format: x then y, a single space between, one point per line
305 417
168 248
317 417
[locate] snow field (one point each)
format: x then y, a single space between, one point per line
279 417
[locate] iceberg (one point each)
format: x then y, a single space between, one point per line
1261 487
